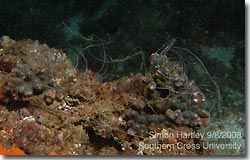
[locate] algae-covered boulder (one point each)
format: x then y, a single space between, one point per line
48 106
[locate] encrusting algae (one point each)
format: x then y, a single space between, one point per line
48 107
17 152
11 151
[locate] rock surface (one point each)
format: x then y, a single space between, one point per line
47 106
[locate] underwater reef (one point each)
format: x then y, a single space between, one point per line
49 107
94 83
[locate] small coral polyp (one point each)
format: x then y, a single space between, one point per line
51 107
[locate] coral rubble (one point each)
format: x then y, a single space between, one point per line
49 107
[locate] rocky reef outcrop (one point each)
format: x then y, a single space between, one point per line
48 106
